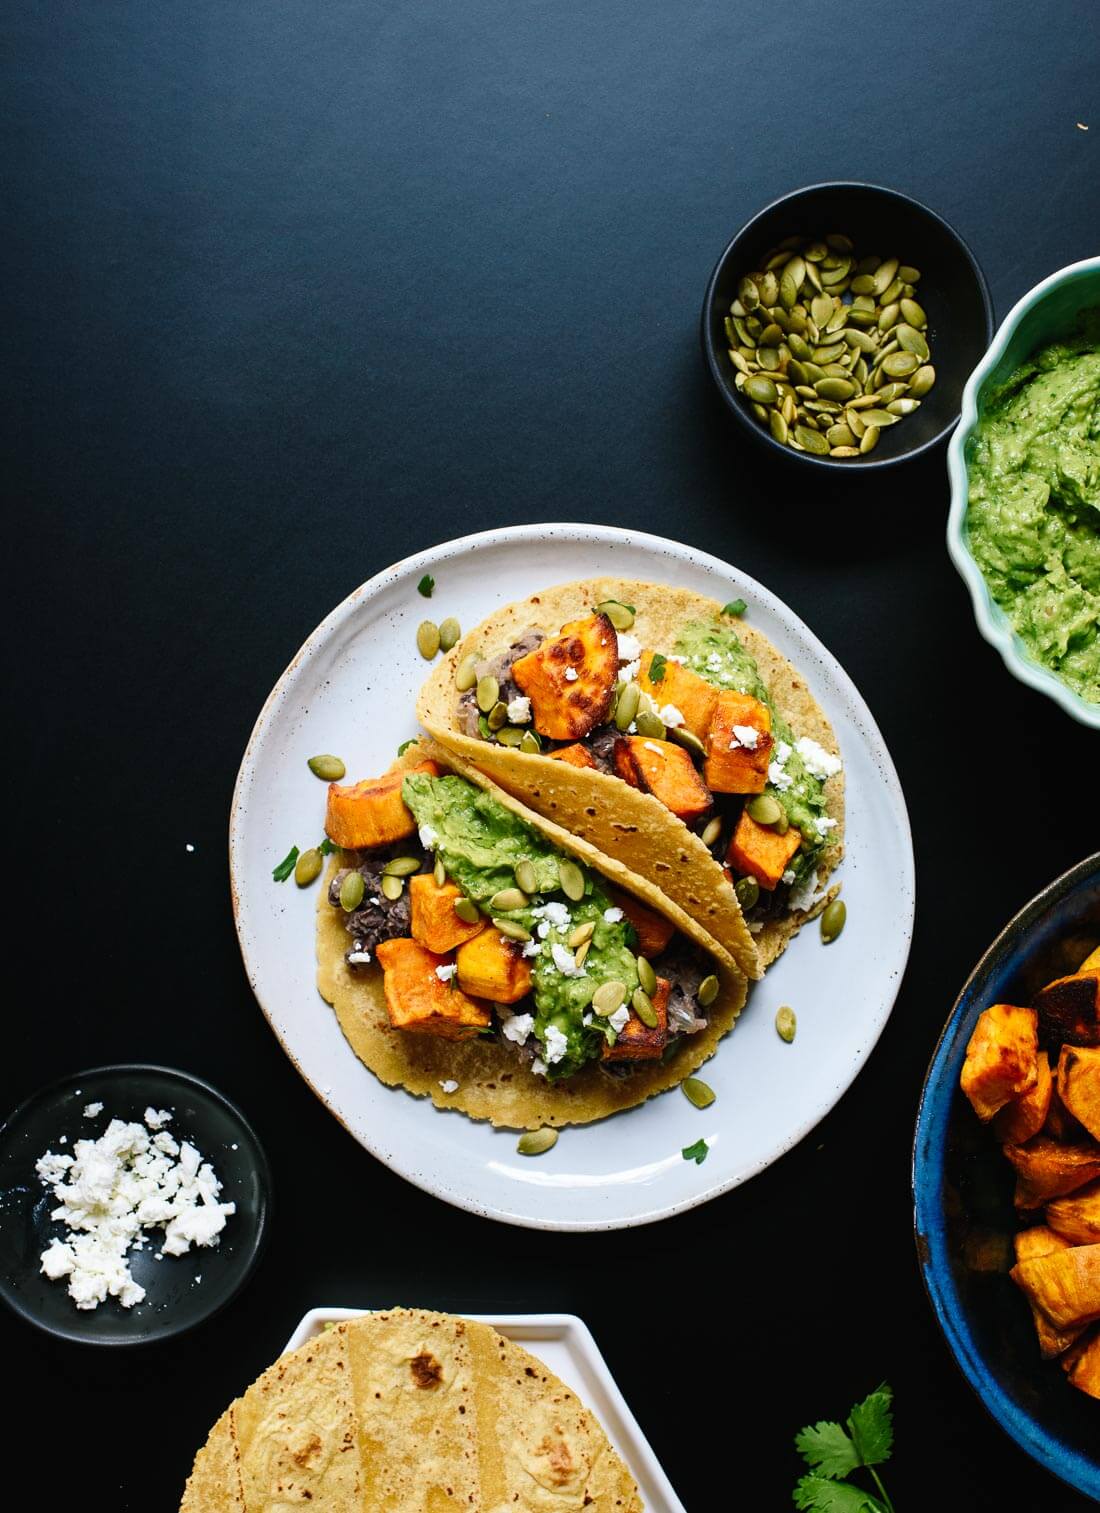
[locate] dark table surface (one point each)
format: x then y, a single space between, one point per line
293 290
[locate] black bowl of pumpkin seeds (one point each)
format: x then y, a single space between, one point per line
841 324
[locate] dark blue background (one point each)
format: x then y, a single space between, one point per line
293 290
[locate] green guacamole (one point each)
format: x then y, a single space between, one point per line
1033 521
480 843
715 652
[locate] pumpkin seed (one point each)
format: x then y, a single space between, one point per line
832 921
835 388
908 274
903 406
888 317
392 886
620 615
778 426
879 418
466 673
762 808
785 1023
643 1008
536 1142
829 353
822 307
769 289
707 992
467 911
869 440
815 252
330 768
921 381
697 1092
582 953
911 341
627 706
427 639
748 892
650 725
811 441
526 877
901 364
508 900
891 391
863 284
646 975
581 934
571 879
771 336
855 424
688 739
530 742
510 930
609 996
351 892
860 339
884 275
488 692
510 735
761 389
401 866
711 831
439 872
839 242
450 633
748 294
498 716
739 362
844 451
307 867
914 314
839 436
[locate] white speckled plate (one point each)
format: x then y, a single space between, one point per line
351 689
563 1342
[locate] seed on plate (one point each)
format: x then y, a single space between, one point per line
848 451
650 725
761 389
466 673
450 633
627 706
914 313
833 919
467 911
646 975
785 1023
497 717
507 900
908 274
711 831
536 1142
581 934
488 692
708 991
307 867
903 406
571 879
526 877
811 441
641 1004
869 440
351 891
911 340
901 364
778 426
921 381
530 743
439 872
392 886
697 1092
330 768
427 639
748 892
878 417
510 930
609 996
401 866
510 735
762 808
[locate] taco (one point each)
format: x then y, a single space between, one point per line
482 956
667 732
410 1411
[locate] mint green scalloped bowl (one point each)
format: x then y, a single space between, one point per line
1046 313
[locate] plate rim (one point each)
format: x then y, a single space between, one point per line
612 536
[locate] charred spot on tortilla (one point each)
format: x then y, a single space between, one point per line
426 1371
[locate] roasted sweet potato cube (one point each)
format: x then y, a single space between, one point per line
1082 1364
1025 1115
434 923
1069 1009
1076 1218
489 966
570 678
1060 1123
1041 1241
636 1041
1048 1169
574 756
1079 1085
653 930
371 813
1001 1059
760 852
739 744
692 695
665 770
1064 1284
419 1001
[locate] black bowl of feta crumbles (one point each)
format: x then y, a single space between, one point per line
134 1204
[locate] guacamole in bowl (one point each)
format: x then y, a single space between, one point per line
1025 468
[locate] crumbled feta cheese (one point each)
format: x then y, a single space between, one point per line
531 948
619 1019
745 735
565 961
669 715
788 876
92 1109
157 1118
612 916
449 1085
570 674
652 746
586 1019
447 972
681 660
115 1188
632 728
629 647
778 777
782 752
806 895
429 837
821 763
630 671
557 1045
538 1066
519 711
714 662
823 824
555 913
357 958
518 1027
542 930
756 925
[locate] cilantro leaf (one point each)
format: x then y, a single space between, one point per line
735 607
872 1428
286 866
657 668
412 741
327 847
820 1495
425 586
697 1152
826 1447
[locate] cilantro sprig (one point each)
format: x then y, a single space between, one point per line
697 1152
735 607
425 586
657 668
286 866
834 1451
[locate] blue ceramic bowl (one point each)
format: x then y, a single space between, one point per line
1046 313
962 1195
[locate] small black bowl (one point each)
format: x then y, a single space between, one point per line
952 290
181 1291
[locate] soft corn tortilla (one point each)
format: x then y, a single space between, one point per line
411 1412
494 1083
619 820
